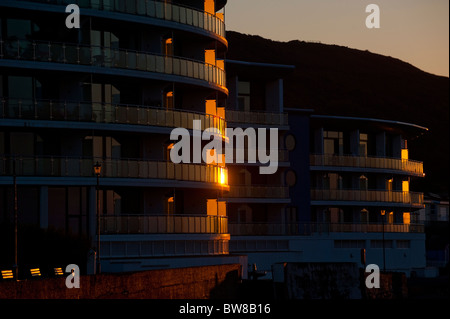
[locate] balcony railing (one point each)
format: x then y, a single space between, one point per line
409 166
106 57
164 224
408 198
257 192
111 168
283 155
305 229
153 9
278 119
50 110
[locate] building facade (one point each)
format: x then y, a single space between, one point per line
111 92
343 193
361 175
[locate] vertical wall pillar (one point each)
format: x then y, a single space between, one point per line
233 91
354 142
318 141
43 207
397 146
380 145
92 214
274 96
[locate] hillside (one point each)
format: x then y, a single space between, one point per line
337 80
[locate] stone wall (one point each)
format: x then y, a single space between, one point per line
322 281
209 282
339 281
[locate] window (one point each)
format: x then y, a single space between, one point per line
389 184
18 29
243 96
168 47
100 93
170 206
333 143
364 216
379 244
403 244
168 100
350 244
406 218
20 87
391 218
363 144
363 183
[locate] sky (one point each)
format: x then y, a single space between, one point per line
415 31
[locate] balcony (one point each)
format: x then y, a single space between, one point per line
408 166
257 192
107 113
283 156
240 117
163 224
152 9
306 229
111 58
111 168
411 199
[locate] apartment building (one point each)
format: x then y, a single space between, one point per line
107 96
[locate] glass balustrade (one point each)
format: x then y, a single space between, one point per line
152 9
125 168
111 58
294 229
106 113
164 224
410 198
411 166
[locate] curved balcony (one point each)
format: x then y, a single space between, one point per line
50 110
163 224
111 58
161 10
111 168
352 197
396 164
283 156
298 229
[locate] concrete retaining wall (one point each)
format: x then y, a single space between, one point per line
209 282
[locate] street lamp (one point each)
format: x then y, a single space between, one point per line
97 171
16 266
383 213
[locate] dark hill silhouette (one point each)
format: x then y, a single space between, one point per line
337 80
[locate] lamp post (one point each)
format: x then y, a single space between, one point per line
16 267
97 171
383 213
